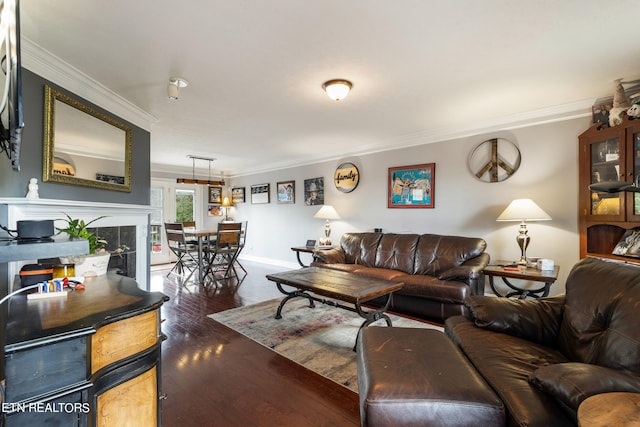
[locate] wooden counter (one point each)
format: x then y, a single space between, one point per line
74 360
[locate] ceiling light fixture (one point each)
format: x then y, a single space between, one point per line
337 89
193 179
173 90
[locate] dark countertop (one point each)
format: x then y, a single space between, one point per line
104 300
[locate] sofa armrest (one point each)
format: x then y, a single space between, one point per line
329 256
534 320
571 383
470 272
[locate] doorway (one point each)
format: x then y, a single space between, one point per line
173 203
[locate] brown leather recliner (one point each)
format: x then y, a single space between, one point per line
544 357
438 272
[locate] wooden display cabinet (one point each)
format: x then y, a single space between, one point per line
90 359
608 154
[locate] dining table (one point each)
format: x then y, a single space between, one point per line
203 237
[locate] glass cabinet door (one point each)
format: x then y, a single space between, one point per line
636 174
605 166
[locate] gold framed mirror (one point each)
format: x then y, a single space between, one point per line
83 146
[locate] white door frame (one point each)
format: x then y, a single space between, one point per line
169 213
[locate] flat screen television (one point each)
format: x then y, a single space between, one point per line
11 120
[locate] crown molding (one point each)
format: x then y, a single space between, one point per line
563 112
63 74
568 111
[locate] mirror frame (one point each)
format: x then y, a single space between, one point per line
52 95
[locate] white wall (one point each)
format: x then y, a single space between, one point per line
464 205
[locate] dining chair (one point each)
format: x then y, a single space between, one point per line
243 238
222 253
190 226
185 252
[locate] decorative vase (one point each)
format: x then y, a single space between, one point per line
88 265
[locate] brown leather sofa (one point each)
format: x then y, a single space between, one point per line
544 357
438 272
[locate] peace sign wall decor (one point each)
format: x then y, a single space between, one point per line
494 160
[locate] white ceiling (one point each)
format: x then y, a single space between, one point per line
422 70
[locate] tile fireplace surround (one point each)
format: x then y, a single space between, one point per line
115 215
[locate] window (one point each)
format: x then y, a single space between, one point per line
185 205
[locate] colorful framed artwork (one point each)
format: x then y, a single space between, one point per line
412 186
215 195
237 195
260 194
214 210
286 191
314 191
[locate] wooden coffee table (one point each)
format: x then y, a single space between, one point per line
338 285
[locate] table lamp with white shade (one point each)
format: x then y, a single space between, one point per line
523 210
327 212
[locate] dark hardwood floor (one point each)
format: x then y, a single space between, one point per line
213 376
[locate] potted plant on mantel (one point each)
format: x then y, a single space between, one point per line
94 264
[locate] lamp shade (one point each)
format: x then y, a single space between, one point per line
226 202
523 210
327 212
337 89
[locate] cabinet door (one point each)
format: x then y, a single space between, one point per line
633 199
131 404
605 158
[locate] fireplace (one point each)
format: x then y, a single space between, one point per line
123 226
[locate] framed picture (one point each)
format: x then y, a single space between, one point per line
215 195
260 194
411 186
214 210
237 195
286 192
629 244
314 191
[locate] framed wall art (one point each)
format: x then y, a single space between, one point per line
237 195
260 194
214 210
314 191
286 191
215 195
411 186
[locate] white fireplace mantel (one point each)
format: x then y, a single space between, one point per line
115 215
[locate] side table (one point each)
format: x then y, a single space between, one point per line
610 409
497 269
302 249
307 249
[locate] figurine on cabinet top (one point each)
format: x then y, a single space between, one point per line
634 111
620 104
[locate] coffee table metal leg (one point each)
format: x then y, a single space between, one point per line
373 316
291 295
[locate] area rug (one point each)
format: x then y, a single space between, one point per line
320 338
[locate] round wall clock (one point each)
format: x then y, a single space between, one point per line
346 177
494 160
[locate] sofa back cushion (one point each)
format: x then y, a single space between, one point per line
360 248
397 252
435 253
602 307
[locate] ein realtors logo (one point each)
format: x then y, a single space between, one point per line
46 407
